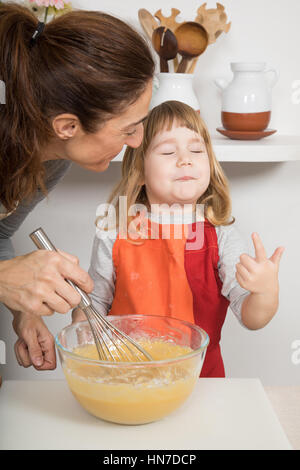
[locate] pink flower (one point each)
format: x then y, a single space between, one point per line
58 4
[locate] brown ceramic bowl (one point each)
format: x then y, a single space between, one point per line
245 121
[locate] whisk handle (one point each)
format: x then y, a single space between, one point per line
42 242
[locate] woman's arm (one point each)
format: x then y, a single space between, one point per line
34 283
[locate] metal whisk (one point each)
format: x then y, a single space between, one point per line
111 343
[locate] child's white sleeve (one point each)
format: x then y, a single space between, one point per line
102 271
231 246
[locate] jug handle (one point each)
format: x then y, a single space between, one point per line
221 83
155 84
272 80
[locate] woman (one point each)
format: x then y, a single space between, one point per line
77 90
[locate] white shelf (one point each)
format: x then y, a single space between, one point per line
275 148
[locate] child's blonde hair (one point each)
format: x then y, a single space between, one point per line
216 198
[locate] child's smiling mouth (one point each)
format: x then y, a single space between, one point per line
185 178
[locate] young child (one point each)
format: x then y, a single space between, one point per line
147 266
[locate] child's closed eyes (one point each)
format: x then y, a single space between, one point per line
172 151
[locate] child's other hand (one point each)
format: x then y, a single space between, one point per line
260 274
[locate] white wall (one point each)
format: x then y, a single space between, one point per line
266 196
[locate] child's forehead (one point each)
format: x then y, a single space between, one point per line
176 130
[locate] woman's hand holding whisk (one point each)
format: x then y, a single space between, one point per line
36 283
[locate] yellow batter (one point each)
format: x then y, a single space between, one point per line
131 394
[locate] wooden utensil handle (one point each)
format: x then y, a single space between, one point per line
183 65
192 65
163 65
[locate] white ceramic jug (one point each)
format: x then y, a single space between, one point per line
174 86
250 92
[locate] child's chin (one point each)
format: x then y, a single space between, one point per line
186 197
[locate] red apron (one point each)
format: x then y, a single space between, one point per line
209 305
174 277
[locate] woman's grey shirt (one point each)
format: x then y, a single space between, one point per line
10 222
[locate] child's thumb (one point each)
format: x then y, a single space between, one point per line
276 257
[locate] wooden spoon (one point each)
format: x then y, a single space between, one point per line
147 21
165 44
192 41
171 23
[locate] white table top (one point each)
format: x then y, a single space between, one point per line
220 414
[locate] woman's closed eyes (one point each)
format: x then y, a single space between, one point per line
131 133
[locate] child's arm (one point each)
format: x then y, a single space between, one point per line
259 275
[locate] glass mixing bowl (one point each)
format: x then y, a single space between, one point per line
134 392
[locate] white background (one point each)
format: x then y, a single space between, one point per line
266 196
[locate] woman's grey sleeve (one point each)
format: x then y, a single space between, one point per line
10 224
231 246
102 271
6 248
55 170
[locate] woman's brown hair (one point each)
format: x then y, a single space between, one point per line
87 63
216 198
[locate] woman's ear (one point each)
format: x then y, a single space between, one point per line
65 125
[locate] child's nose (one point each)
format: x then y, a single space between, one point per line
184 159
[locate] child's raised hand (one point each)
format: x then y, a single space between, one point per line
260 274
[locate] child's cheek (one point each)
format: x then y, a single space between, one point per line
159 171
